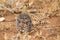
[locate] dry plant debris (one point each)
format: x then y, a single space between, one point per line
41 15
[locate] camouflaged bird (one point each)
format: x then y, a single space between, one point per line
24 23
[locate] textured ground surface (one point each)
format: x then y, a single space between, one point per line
45 16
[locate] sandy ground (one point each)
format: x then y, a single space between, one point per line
48 16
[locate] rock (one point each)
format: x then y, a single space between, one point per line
2 19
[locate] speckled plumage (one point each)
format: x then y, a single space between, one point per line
24 23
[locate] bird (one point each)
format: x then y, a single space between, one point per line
24 23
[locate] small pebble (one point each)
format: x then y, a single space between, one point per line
2 19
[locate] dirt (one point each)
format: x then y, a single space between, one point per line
46 21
